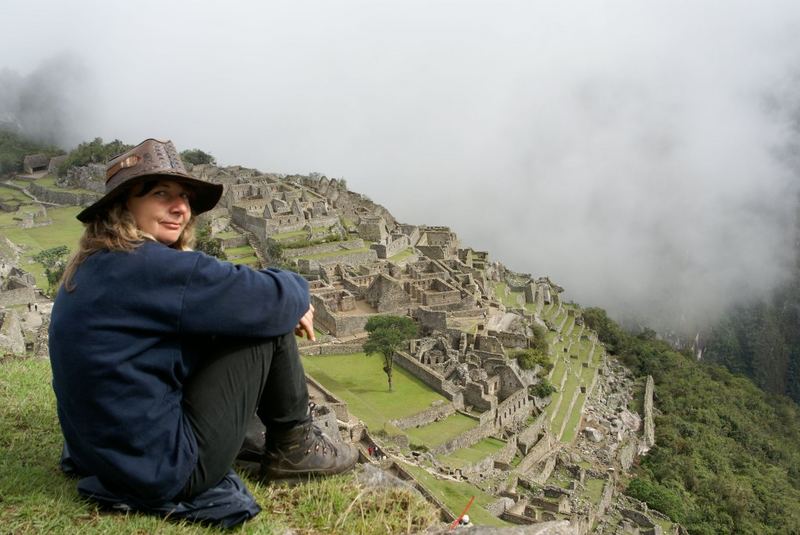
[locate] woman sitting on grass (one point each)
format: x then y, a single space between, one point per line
161 355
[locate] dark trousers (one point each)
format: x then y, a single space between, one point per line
243 377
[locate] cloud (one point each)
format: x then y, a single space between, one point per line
639 153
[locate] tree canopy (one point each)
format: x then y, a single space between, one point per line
197 157
386 334
95 151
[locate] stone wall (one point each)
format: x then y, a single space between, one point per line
251 223
392 248
433 414
649 425
508 339
537 453
513 409
11 339
431 320
474 395
91 177
354 259
530 434
331 349
429 377
337 324
465 439
17 296
323 248
233 242
62 197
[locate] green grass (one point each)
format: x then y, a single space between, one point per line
574 419
509 300
594 489
36 498
11 194
566 397
437 433
64 230
49 182
360 381
402 255
226 234
456 495
332 254
234 252
473 454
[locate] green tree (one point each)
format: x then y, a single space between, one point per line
54 261
542 389
197 157
386 334
14 148
95 151
207 244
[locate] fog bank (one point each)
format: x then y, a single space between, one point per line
640 154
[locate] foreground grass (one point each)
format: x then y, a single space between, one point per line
36 498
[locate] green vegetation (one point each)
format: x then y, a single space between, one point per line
357 379
762 340
65 229
298 239
14 148
49 182
542 389
473 454
456 495
54 261
386 334
726 458
197 157
204 242
528 359
37 498
509 299
437 433
95 151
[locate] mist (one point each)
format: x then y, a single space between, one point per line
638 153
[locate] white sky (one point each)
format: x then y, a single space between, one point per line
627 149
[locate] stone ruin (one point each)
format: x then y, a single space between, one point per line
360 262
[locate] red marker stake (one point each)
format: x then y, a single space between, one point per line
454 524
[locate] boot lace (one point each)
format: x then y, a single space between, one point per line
316 439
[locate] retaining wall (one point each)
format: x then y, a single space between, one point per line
17 296
62 197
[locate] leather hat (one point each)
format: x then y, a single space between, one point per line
148 160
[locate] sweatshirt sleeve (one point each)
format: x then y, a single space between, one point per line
225 299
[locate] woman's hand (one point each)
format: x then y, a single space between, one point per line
306 325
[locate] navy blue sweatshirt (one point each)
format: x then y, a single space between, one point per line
120 352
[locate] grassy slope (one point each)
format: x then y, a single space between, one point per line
35 497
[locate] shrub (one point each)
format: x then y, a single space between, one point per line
542 389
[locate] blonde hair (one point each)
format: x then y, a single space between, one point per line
116 230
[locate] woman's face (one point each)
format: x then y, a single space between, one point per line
163 212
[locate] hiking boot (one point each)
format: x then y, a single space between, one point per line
305 451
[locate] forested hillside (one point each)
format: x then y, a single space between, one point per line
762 340
726 458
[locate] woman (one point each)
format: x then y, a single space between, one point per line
161 355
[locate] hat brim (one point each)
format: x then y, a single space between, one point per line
206 195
